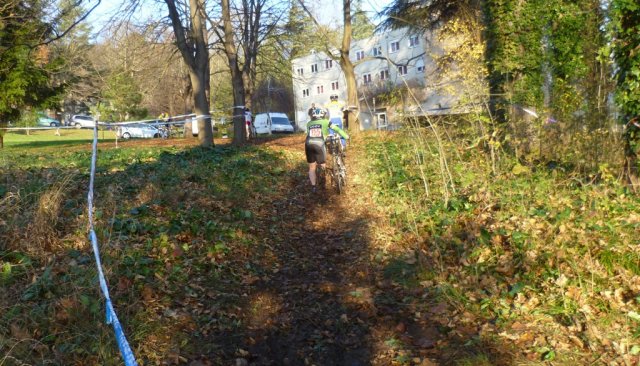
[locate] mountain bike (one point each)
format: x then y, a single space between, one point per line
338 169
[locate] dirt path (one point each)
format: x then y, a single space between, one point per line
316 308
330 301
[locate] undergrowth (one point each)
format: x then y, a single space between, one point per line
530 260
534 254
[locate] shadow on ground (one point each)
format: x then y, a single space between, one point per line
222 256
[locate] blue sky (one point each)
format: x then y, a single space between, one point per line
325 7
372 7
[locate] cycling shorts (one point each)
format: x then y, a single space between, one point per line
316 153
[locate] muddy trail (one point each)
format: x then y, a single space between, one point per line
315 308
328 301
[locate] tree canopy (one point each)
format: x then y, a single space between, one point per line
25 60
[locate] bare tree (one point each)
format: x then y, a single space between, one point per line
245 28
347 66
192 41
237 82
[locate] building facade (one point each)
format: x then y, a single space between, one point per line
388 60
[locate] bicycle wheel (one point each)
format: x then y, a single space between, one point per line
339 174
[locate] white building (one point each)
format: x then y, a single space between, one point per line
385 60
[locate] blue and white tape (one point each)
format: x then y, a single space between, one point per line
112 318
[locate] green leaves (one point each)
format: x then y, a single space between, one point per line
24 67
625 25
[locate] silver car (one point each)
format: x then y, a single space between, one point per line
81 121
140 130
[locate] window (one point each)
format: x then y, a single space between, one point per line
328 64
414 40
334 85
395 47
377 51
366 78
314 68
305 93
359 55
402 69
384 74
381 121
300 71
420 65
320 89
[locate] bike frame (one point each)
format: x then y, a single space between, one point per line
338 170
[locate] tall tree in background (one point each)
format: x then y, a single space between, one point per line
26 63
340 52
348 69
625 21
247 26
192 41
298 35
237 83
539 55
123 96
362 25
78 73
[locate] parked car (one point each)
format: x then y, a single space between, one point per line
280 123
272 123
82 121
45 121
140 130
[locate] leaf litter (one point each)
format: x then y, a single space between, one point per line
233 270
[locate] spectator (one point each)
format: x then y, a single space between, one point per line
247 120
312 110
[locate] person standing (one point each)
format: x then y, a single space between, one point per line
311 111
247 122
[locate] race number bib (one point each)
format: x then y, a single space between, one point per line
315 132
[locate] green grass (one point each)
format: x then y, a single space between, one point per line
47 138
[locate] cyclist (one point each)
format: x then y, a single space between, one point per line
335 108
314 147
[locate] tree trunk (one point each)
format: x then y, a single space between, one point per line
239 134
201 109
631 159
352 106
249 89
239 128
349 71
196 56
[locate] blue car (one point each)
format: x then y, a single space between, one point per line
44 121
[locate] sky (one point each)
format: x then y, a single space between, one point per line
331 12
328 8
332 7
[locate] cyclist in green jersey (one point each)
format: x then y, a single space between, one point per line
314 146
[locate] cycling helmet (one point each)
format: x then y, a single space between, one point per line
318 113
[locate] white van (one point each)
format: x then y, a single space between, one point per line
272 123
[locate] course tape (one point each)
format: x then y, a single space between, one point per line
36 128
112 318
170 120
